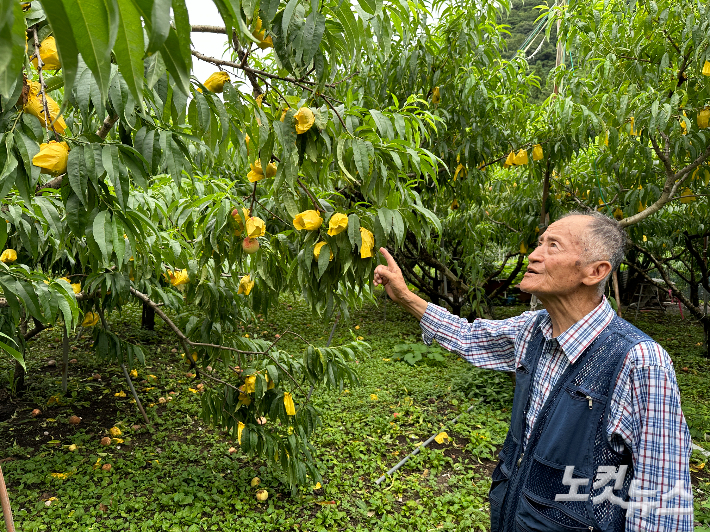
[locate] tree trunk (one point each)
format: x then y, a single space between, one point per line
18 379
148 318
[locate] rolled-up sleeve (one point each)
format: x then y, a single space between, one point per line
487 344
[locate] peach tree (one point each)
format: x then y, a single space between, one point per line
125 180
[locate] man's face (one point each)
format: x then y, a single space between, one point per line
555 267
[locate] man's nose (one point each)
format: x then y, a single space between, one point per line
535 255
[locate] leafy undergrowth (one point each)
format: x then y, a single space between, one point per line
177 474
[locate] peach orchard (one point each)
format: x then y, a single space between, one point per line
333 129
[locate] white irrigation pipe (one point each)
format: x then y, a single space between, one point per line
420 447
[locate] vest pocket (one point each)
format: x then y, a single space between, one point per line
568 434
499 486
537 515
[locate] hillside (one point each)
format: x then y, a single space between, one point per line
521 22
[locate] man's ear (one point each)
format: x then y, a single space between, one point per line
596 272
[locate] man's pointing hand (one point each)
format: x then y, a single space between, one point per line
391 278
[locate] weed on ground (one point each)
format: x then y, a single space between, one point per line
177 474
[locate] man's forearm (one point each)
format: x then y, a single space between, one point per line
413 304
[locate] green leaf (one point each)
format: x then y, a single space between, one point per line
323 260
351 33
361 156
384 125
27 148
130 48
354 231
136 164
12 46
182 26
288 14
429 216
103 233
178 66
94 24
50 214
235 7
109 158
64 36
78 178
157 17
312 36
3 233
154 70
14 352
268 10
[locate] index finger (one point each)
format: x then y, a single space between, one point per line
388 257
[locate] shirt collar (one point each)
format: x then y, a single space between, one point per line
578 337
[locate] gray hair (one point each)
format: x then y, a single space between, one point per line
604 239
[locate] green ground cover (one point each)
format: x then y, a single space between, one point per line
177 474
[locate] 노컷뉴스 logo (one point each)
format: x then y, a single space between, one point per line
644 500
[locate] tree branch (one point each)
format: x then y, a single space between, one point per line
196 28
427 258
185 340
247 69
672 183
49 122
678 294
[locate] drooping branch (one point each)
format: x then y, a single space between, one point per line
310 195
705 274
502 223
186 341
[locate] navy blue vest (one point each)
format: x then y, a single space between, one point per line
569 430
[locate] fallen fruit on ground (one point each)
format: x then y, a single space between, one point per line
105 441
255 482
74 420
262 495
36 412
106 467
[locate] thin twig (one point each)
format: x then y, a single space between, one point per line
47 117
253 198
245 68
271 213
187 342
310 195
327 101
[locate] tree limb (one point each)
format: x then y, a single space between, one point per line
185 340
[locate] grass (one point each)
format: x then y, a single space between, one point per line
178 475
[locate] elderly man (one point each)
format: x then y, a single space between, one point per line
597 440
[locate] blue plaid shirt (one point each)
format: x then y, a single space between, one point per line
645 411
